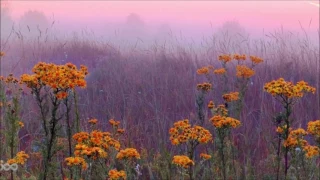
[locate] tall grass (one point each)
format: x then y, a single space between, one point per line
149 89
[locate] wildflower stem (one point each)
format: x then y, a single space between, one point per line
66 102
221 138
76 111
278 156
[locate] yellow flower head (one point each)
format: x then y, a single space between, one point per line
232 96
182 161
239 57
296 139
204 70
128 153
225 58
182 132
219 121
244 71
21 124
20 158
206 87
220 71
256 60
117 175
93 121
76 161
311 151
205 156
281 87
211 105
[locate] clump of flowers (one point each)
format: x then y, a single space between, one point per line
60 78
244 71
204 70
288 94
220 71
311 151
314 129
94 145
182 132
117 175
283 88
204 87
239 57
296 139
232 96
2 53
211 105
93 121
76 161
20 158
219 121
225 58
256 60
21 124
128 153
114 123
182 161
205 156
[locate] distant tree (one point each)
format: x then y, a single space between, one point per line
232 29
32 22
6 19
134 28
134 20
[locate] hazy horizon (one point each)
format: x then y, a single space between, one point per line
190 19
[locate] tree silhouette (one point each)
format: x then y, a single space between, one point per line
34 23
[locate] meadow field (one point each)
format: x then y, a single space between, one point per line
229 109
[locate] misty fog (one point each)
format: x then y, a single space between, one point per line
134 30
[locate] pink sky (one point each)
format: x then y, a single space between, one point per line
251 14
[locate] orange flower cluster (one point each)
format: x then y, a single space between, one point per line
314 128
281 129
225 58
220 110
256 60
20 158
93 121
232 96
220 71
211 105
94 145
183 132
21 125
76 161
114 123
281 87
244 71
295 139
183 161
128 153
205 156
9 79
2 53
224 122
311 151
117 175
58 77
204 70
239 57
206 87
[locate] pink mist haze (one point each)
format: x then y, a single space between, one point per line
189 17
